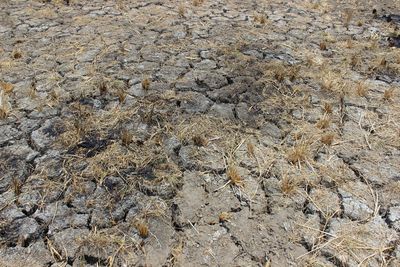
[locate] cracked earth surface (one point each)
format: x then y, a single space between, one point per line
199 133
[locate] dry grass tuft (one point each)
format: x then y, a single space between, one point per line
142 228
327 139
347 17
103 88
250 150
16 186
181 10
126 137
328 81
54 96
224 216
5 106
6 87
16 54
388 95
262 19
299 153
355 60
198 2
349 43
146 84
199 140
121 93
112 244
155 208
32 93
323 123
323 46
328 109
362 89
234 176
280 71
176 253
288 185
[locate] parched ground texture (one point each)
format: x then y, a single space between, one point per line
199 133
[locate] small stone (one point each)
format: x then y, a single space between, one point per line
298 114
254 53
315 99
205 157
8 133
355 208
28 200
194 102
172 145
68 241
20 151
223 111
206 64
28 230
271 129
34 255
394 215
59 217
373 234
311 234
89 55
137 90
45 136
205 54
242 111
50 163
324 201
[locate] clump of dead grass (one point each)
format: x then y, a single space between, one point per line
347 17
5 105
16 186
199 140
360 244
102 86
197 2
280 71
355 60
299 153
327 139
121 93
250 150
224 217
323 123
111 244
328 109
260 18
328 81
181 10
16 54
6 87
142 228
234 176
362 89
146 84
126 137
388 95
323 46
288 184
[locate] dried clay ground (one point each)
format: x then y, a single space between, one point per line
199 133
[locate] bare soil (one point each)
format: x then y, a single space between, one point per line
199 133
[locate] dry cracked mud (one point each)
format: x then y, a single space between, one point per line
199 133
